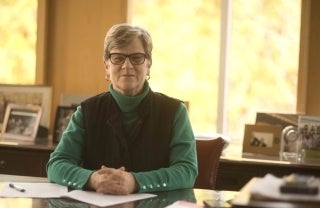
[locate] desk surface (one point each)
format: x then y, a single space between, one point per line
265 159
163 198
38 144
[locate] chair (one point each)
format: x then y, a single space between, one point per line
208 153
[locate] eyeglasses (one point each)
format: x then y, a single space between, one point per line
135 58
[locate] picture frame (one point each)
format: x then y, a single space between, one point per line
21 122
62 118
262 139
27 94
309 135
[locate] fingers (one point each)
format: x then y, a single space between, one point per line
113 181
112 186
121 168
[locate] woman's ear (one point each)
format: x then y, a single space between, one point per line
106 64
106 67
149 64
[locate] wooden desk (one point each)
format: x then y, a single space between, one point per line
163 198
235 170
25 158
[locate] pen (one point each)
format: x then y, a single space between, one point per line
11 185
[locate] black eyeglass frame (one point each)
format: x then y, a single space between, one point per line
130 56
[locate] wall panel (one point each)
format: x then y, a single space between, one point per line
313 83
74 44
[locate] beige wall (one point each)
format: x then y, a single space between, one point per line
75 30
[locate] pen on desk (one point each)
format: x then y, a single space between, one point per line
11 185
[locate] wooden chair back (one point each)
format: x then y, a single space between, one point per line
208 153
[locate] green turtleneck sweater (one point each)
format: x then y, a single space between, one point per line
64 164
128 105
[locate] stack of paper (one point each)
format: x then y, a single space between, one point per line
268 188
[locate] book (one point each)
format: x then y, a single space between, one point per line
268 188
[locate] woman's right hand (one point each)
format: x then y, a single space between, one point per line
112 181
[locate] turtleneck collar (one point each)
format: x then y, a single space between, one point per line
129 103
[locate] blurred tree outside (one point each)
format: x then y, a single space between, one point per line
18 35
186 37
263 61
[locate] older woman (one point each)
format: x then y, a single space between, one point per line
129 139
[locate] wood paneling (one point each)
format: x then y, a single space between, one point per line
74 44
313 83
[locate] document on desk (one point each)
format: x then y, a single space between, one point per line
51 190
103 200
32 190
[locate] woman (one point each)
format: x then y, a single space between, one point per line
129 139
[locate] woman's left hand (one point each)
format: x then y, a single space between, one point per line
113 181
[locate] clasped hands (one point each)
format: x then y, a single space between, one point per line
112 181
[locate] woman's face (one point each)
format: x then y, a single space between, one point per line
128 79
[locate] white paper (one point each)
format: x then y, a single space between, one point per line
269 188
102 200
33 190
52 190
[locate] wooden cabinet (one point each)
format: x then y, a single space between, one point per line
24 159
234 173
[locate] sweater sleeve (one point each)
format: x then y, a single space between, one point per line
183 168
64 165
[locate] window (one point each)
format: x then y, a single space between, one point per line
262 57
18 29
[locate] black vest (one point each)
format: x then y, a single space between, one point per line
147 145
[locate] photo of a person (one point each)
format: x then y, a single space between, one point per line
261 139
21 121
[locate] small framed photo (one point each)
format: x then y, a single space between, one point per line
262 139
309 134
63 116
27 94
21 122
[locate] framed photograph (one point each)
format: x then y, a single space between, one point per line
262 139
309 133
63 116
27 94
21 122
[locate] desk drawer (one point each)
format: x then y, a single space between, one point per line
23 162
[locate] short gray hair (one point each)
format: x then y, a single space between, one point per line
121 35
